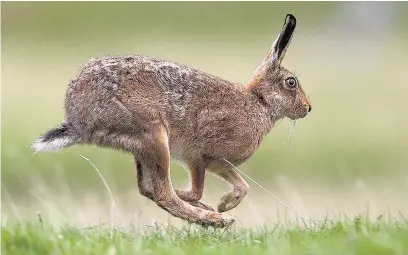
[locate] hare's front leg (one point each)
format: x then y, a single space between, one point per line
193 195
154 170
234 197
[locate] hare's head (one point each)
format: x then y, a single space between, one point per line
276 87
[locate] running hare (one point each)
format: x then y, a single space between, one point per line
153 109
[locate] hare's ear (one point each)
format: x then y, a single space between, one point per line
280 45
278 48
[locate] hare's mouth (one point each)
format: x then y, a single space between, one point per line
303 114
299 114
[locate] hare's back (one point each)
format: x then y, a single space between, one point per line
111 72
128 91
121 93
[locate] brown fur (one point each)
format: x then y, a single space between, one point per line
153 109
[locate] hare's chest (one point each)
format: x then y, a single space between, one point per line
246 148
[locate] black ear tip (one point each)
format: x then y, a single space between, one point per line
290 19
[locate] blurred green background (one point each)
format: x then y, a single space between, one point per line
351 58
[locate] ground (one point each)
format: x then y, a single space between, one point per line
356 236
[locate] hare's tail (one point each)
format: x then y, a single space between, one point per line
55 139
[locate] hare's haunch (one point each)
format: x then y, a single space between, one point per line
155 109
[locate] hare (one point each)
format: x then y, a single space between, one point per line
157 109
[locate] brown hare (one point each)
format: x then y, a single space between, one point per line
155 109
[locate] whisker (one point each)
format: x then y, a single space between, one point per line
291 131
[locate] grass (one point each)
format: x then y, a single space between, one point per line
357 236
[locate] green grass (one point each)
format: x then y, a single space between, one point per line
334 237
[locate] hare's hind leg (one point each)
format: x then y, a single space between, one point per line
144 182
155 169
195 192
234 197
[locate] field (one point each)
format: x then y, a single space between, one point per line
344 166
356 236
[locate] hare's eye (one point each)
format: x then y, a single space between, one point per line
291 82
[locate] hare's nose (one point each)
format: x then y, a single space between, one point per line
308 106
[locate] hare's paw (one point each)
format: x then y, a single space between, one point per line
217 220
188 195
202 205
227 221
231 200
